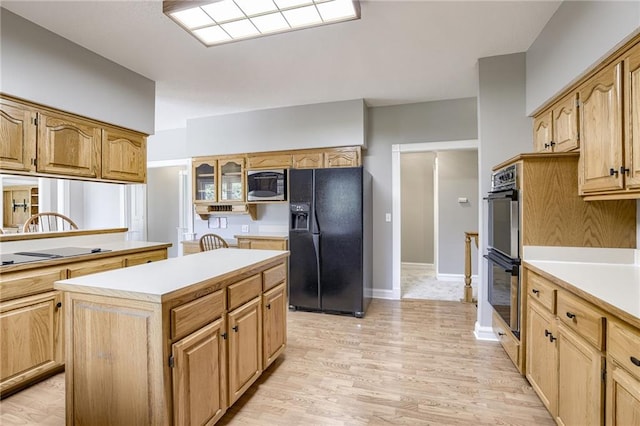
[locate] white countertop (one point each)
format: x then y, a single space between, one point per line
610 275
154 281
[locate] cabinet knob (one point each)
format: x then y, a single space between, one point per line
624 170
535 291
635 361
551 338
58 305
552 143
268 305
235 328
224 335
500 333
613 172
571 315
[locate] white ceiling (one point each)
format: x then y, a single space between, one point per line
398 52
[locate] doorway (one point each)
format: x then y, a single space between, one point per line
441 181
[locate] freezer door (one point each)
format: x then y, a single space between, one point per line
304 289
338 196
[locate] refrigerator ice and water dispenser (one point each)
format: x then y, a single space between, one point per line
299 216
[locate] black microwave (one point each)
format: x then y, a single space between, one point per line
267 185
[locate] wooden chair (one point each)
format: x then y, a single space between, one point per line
48 221
212 242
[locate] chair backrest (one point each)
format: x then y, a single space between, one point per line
48 221
212 242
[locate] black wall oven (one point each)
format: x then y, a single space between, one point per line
503 253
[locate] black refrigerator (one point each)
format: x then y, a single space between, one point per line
330 229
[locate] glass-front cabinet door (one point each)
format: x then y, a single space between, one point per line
231 179
204 181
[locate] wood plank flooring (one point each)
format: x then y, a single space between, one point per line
413 362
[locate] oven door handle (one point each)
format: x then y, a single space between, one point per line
510 268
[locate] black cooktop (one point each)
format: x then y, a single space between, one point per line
46 254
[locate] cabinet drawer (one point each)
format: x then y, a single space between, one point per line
197 313
244 290
146 257
93 266
269 244
274 276
541 290
584 318
508 341
623 344
26 283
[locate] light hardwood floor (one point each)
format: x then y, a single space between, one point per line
413 362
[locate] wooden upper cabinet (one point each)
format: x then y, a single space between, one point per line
542 133
601 131
204 180
231 179
68 146
17 136
124 155
632 113
565 124
310 160
556 130
259 161
342 157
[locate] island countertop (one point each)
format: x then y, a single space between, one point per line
164 280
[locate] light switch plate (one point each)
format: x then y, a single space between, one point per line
245 228
387 217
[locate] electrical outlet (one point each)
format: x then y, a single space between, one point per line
387 217
245 228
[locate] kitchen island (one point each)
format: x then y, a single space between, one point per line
31 323
172 342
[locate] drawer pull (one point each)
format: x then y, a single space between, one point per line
571 315
535 291
235 328
269 306
635 361
500 333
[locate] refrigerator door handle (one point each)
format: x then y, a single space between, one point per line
316 246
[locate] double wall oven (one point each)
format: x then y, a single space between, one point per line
503 251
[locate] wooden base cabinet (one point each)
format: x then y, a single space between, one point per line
581 381
245 347
542 355
30 339
274 314
623 374
199 376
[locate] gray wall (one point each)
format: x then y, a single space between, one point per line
304 126
40 66
457 177
505 131
440 121
576 37
417 196
168 145
163 205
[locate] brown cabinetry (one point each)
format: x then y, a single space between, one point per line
218 180
42 141
30 317
263 243
268 161
623 374
18 140
231 179
124 155
556 130
68 146
199 379
19 203
189 356
542 354
30 339
565 358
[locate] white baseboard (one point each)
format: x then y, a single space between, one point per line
386 294
418 265
456 277
484 333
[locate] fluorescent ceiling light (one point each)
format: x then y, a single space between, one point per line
270 23
302 16
221 21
